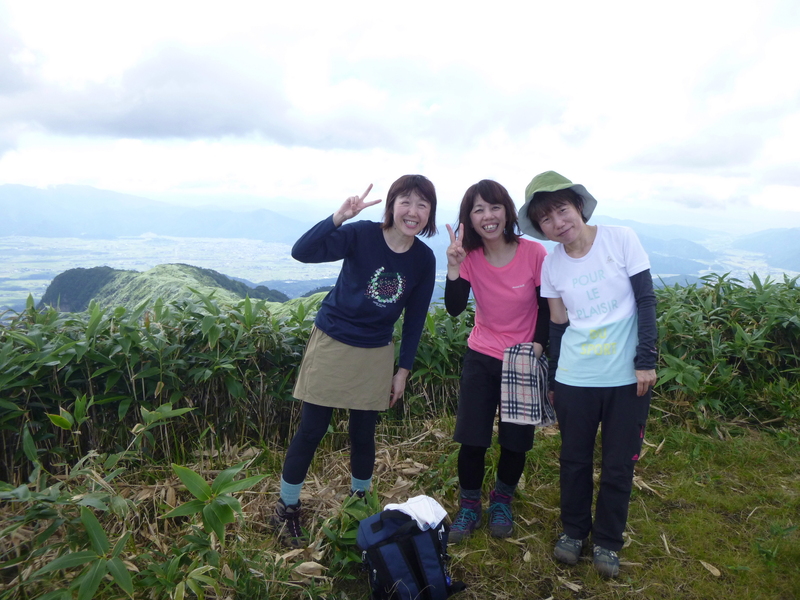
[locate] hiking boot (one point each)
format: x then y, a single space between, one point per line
568 550
360 494
606 562
501 522
285 523
467 520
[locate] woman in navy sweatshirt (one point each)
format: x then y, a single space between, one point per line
349 359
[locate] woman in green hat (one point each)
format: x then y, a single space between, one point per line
602 364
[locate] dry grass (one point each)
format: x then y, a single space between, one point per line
710 518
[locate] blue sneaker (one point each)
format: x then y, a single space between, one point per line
568 550
501 521
467 520
606 562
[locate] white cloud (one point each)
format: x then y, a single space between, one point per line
685 105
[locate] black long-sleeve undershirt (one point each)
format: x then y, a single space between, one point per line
645 296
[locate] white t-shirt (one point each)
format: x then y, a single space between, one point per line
599 346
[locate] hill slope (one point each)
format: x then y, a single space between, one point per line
73 290
780 246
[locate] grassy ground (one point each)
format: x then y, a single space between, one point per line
710 517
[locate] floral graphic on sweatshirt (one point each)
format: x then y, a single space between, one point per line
385 288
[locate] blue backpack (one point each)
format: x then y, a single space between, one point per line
405 562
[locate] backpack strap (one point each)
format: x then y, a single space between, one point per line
455 587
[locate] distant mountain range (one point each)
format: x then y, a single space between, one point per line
670 246
82 211
780 247
678 254
73 290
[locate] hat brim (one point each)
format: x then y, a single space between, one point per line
526 225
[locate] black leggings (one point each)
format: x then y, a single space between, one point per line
471 466
314 422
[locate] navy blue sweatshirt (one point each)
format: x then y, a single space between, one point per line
374 285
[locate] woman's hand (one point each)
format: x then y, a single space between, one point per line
538 349
455 252
398 386
644 381
352 206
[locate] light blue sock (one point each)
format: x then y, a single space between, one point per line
360 485
290 492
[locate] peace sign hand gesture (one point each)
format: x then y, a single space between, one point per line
352 206
455 252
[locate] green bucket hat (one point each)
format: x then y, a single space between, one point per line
550 181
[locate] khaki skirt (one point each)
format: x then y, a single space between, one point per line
335 374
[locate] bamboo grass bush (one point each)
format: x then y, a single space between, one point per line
234 366
433 385
728 351
95 406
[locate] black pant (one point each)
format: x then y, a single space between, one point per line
478 403
623 415
314 422
472 466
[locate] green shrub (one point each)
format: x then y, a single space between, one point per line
731 351
77 382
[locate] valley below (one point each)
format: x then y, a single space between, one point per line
29 264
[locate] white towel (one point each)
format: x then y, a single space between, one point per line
426 511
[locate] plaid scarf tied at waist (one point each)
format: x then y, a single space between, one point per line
523 389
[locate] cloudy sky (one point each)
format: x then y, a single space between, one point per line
681 112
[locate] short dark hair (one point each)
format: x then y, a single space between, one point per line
543 202
493 193
403 187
